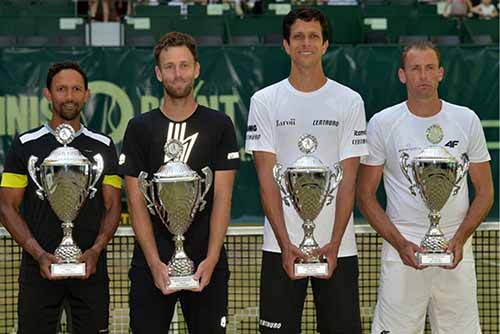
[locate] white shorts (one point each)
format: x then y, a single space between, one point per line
405 294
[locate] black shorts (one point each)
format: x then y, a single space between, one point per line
151 312
40 306
282 299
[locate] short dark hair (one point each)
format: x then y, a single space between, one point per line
419 45
175 38
307 14
67 65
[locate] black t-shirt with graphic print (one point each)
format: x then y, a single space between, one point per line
209 140
43 223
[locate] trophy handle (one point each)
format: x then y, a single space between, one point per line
98 168
209 177
403 163
144 186
278 177
32 169
335 177
463 168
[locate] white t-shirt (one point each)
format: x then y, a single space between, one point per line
335 115
487 10
396 130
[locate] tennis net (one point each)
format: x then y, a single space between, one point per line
243 246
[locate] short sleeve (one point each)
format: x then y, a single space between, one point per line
353 141
477 149
111 167
376 150
260 133
15 173
228 156
133 157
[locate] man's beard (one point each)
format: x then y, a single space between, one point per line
68 114
178 94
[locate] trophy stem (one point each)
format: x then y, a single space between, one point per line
180 264
434 240
67 230
179 246
309 244
67 250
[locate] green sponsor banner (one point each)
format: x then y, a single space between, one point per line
122 84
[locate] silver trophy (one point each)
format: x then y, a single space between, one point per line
67 178
309 184
437 175
174 194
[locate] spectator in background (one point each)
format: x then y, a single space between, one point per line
105 9
458 8
485 10
123 8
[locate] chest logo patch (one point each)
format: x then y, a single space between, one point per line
178 131
121 160
434 134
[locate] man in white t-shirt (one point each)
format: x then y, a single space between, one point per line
407 290
307 102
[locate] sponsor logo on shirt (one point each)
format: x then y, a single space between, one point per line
325 122
178 131
121 159
290 122
385 332
452 143
252 128
255 136
359 141
270 324
233 155
223 322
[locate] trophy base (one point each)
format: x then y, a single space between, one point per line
183 283
434 259
67 269
311 269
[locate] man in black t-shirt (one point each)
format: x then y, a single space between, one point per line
38 231
208 139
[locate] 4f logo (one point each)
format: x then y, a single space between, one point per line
451 143
385 332
178 131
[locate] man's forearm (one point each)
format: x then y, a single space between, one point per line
221 212
110 219
273 209
219 221
108 227
345 200
343 210
270 196
141 221
482 181
18 229
143 230
476 214
378 219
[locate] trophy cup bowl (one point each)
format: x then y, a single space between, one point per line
436 175
67 178
308 185
174 194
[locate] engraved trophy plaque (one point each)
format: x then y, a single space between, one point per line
67 178
436 175
174 194
308 185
